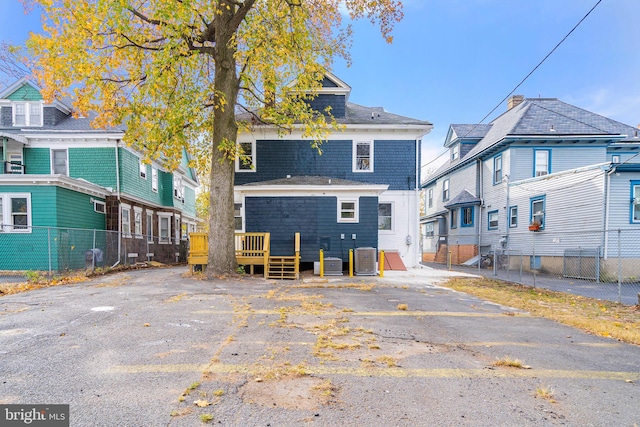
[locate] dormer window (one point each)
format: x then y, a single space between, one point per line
455 152
27 113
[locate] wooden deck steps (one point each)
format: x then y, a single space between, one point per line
283 267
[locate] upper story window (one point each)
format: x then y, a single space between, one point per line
497 169
246 158
430 197
615 158
154 179
542 161
143 169
445 190
362 156
59 162
455 152
178 188
27 113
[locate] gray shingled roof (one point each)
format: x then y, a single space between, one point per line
464 198
471 131
306 180
540 117
357 114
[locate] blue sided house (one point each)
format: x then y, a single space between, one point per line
58 173
362 191
544 169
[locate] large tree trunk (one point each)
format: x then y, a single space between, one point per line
222 258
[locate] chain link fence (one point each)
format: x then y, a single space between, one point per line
52 250
603 264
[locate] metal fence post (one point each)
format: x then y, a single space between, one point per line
49 248
619 267
93 252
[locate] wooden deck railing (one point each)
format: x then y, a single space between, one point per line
253 249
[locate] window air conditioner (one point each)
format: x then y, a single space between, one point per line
366 261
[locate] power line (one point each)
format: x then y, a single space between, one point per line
535 68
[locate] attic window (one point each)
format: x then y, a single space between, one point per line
27 113
455 152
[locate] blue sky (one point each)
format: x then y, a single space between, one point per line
453 61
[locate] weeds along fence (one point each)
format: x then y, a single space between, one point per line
52 250
602 264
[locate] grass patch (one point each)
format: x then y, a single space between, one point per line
510 362
603 318
388 360
205 418
544 392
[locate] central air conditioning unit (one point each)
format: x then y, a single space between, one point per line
366 261
332 266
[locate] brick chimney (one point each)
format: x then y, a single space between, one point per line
514 101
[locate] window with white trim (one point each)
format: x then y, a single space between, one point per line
362 156
164 227
537 210
428 230
176 228
237 216
348 210
125 211
178 187
154 179
455 152
513 216
492 218
497 169
99 207
445 190
137 222
246 158
15 164
59 162
15 213
143 169
542 164
385 216
27 113
430 198
149 226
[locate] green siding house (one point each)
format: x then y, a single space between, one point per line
69 191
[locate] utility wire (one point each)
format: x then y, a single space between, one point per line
537 66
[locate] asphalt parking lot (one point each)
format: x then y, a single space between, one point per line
159 348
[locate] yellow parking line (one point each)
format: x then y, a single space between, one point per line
222 368
399 313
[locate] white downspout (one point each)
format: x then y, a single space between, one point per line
416 224
119 208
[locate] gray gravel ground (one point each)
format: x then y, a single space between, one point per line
122 350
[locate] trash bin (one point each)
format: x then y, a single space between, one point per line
92 257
